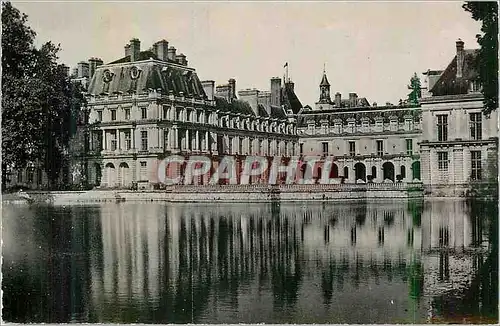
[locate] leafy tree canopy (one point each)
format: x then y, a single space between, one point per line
487 14
39 102
416 90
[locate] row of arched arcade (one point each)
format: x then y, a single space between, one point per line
121 174
373 173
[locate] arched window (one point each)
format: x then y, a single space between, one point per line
346 172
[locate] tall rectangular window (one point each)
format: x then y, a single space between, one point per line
113 140
230 145
99 115
127 114
144 140
380 147
301 149
113 115
442 161
352 148
442 126
144 113
128 140
475 126
143 171
250 147
165 113
240 146
325 148
409 147
476 165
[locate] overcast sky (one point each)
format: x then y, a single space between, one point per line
371 48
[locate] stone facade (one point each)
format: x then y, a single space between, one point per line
150 104
459 143
368 143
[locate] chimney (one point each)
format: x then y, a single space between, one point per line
276 91
171 53
338 100
135 49
290 85
93 64
161 50
181 59
460 58
353 99
208 87
232 89
83 69
127 49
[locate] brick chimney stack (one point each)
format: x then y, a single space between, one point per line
232 89
171 53
161 50
353 99
93 64
338 99
135 49
181 59
127 49
83 69
460 58
276 91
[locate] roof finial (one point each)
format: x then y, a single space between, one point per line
324 68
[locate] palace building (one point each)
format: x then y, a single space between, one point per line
368 143
459 145
151 104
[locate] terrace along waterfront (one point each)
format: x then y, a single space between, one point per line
276 263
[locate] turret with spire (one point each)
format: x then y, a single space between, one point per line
324 89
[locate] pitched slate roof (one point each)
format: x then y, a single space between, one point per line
236 106
262 111
152 75
450 84
324 81
290 99
277 112
143 55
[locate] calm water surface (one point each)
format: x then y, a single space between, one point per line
251 263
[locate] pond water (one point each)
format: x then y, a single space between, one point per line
403 262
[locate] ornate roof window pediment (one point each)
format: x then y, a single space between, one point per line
135 72
107 76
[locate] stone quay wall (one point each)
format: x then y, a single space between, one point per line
238 193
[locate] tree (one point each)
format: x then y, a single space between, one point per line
39 102
416 90
487 14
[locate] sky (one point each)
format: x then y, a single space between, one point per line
370 48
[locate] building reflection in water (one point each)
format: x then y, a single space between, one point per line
180 263
180 258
